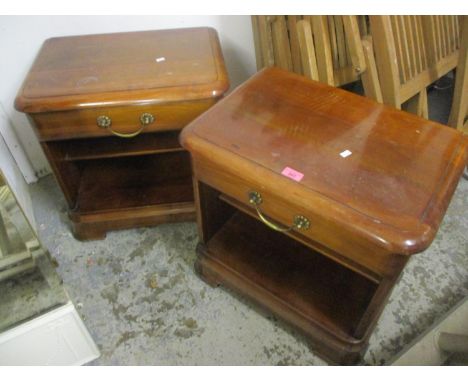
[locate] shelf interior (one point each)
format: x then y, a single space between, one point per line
130 182
112 147
325 291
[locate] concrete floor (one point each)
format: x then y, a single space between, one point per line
143 304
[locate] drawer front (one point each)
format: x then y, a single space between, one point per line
323 234
125 121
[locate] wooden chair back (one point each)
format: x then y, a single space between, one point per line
279 41
411 52
272 46
397 58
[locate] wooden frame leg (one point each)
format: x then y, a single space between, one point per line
370 77
418 105
307 50
459 110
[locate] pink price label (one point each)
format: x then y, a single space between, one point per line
292 174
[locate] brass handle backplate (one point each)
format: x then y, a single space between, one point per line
299 221
105 122
146 119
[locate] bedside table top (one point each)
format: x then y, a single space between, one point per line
387 174
118 68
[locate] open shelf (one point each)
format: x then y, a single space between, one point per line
112 147
130 182
308 282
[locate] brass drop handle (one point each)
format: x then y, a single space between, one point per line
105 122
299 221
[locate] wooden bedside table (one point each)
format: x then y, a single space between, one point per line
108 110
311 199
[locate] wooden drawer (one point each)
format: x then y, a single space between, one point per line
81 123
324 234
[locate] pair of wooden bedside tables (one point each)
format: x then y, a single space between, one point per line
309 199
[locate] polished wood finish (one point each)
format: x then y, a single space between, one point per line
368 211
112 182
119 69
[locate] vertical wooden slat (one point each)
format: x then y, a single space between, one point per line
424 54
362 22
349 61
257 44
369 77
430 40
340 41
448 48
459 109
266 41
440 29
448 21
307 50
333 43
412 49
354 44
398 49
436 26
405 47
323 51
416 43
294 43
384 47
457 27
443 34
282 51
453 32
418 104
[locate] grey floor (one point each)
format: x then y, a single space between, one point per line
143 304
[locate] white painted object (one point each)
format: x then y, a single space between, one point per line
57 338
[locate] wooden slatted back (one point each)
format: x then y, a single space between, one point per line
272 42
443 35
334 56
337 49
409 46
412 52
